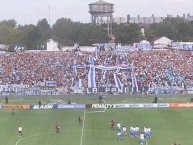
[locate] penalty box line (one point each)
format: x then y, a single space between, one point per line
53 132
82 131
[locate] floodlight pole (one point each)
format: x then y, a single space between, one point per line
49 15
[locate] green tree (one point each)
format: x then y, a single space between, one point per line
30 36
127 33
44 32
9 35
10 23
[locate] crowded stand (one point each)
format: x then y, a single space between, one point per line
62 72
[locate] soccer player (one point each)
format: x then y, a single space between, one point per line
6 100
20 131
79 120
119 126
145 132
119 136
57 127
39 103
124 131
100 98
148 132
132 131
112 124
142 138
137 131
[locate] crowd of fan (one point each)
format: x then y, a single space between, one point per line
155 68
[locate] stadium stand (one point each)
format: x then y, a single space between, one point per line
153 71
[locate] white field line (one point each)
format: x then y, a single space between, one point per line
96 111
82 134
83 130
23 138
37 134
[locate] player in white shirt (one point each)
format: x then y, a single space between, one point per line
20 131
119 126
137 131
124 130
145 132
131 131
142 138
119 136
148 132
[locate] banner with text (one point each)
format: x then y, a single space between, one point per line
16 107
48 106
129 105
142 105
108 90
181 105
71 106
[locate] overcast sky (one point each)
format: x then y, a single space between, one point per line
30 11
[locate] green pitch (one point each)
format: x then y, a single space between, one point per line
168 125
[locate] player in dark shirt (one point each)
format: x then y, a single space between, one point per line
6 100
79 120
112 124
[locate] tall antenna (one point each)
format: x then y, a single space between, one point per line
49 15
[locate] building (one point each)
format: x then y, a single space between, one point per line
3 47
144 20
52 45
120 20
102 12
148 20
162 43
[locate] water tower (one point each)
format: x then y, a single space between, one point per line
102 12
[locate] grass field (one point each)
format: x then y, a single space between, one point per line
168 125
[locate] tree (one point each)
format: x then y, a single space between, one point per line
10 23
44 31
43 24
177 29
127 33
9 35
30 36
75 32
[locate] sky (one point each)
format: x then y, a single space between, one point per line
31 11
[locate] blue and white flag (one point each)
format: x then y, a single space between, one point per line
96 52
134 81
74 70
104 74
118 83
91 74
74 67
78 84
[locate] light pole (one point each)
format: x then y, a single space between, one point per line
49 15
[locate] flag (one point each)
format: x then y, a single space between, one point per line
74 67
118 83
91 74
96 52
78 84
74 70
134 81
